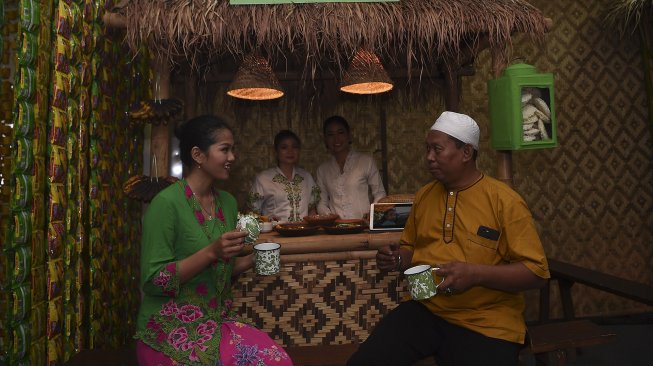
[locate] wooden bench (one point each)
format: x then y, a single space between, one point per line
568 274
552 343
549 343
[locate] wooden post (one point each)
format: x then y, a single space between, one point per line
504 166
190 93
160 137
451 85
504 157
451 70
383 127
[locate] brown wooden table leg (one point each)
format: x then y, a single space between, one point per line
545 295
555 358
565 297
560 357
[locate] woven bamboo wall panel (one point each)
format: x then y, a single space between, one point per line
592 197
313 303
303 110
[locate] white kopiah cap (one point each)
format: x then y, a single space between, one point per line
460 126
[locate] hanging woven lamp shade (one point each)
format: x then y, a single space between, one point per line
255 80
365 75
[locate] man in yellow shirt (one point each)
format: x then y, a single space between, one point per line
481 235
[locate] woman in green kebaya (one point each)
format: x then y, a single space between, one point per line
189 255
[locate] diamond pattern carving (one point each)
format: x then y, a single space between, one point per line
318 303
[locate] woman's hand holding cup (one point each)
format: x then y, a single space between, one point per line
229 244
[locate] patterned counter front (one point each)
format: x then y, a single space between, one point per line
328 291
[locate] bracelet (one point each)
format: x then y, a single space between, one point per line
398 263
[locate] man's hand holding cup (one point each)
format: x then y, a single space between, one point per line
388 258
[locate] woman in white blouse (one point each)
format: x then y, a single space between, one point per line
347 178
285 192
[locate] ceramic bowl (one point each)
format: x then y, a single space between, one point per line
296 229
321 220
352 226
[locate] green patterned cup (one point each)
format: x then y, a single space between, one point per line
422 281
268 258
250 224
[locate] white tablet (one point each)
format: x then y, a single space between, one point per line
389 216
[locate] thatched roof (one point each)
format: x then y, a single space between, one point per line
407 32
627 15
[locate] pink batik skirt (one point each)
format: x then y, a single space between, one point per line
240 345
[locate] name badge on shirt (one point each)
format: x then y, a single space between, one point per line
488 233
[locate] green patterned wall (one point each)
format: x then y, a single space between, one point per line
67 230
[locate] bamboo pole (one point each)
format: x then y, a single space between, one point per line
160 137
504 166
190 96
325 257
326 243
504 157
383 128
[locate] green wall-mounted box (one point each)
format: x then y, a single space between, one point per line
522 113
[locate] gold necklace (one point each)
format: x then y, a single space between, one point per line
209 213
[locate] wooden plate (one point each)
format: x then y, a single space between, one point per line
345 227
296 229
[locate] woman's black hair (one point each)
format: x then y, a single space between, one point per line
200 132
335 119
285 134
